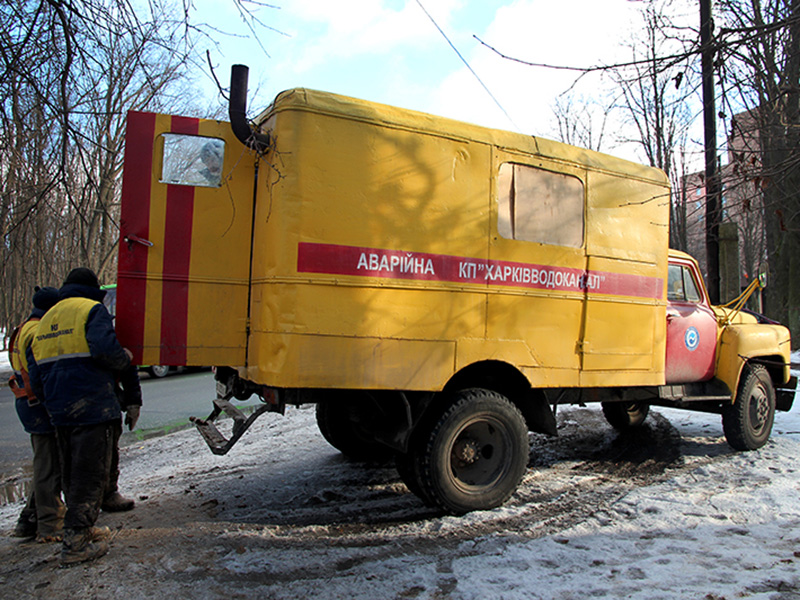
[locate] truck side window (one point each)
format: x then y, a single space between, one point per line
675 283
192 160
692 293
541 206
681 285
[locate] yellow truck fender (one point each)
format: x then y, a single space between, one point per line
741 342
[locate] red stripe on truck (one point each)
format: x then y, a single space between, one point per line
134 221
177 257
420 266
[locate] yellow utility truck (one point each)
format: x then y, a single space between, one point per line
436 288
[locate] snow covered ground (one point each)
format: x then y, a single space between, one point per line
4 364
285 516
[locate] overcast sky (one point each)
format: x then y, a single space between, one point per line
389 51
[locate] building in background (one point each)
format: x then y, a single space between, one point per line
742 200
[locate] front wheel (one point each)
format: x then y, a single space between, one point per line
747 422
473 454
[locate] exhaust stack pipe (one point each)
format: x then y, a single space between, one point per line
237 111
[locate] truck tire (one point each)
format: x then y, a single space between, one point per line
747 422
338 424
409 463
473 452
624 415
158 371
408 468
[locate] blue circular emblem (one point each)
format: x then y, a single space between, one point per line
691 338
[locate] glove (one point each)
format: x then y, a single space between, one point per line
131 416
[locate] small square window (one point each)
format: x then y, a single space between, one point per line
192 160
542 206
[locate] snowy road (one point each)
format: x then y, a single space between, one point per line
671 513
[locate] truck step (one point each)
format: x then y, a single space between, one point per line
229 409
217 442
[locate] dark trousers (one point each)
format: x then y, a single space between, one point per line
113 468
44 507
47 484
85 462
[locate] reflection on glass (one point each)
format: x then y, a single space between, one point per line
192 160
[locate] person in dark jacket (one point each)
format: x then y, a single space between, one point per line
74 362
43 515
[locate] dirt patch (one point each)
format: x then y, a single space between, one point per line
288 509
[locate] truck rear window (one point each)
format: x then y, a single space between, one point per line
536 205
192 160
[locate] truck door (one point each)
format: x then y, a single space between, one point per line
185 238
691 327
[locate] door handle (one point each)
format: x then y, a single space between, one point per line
135 239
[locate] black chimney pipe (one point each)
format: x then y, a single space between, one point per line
237 111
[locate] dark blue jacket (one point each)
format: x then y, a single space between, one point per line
75 359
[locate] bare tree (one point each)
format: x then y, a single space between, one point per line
759 58
757 45
70 71
653 95
581 121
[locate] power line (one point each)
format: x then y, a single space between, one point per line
471 70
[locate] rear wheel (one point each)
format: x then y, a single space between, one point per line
473 453
624 415
342 421
747 422
158 371
408 468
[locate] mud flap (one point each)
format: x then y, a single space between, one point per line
538 415
784 395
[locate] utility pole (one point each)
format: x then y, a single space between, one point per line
713 187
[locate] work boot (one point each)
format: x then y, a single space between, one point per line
99 533
116 502
96 534
24 528
79 547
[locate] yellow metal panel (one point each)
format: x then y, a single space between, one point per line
548 323
351 177
219 270
350 183
619 378
151 354
628 218
516 352
287 360
626 330
614 341
347 310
